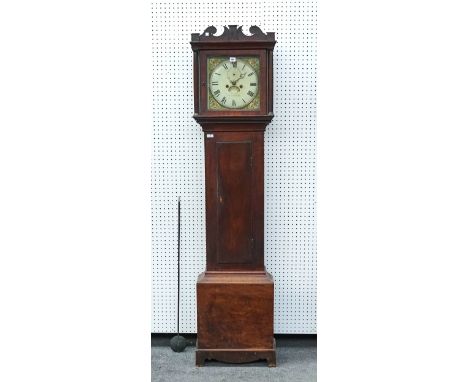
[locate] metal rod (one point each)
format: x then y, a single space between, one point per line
178 263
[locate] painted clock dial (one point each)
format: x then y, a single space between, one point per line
233 83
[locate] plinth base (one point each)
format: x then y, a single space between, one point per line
236 355
235 317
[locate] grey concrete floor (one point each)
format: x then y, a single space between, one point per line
296 358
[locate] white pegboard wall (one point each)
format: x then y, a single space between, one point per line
178 160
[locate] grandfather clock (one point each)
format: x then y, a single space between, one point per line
233 96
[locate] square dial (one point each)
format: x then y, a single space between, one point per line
233 83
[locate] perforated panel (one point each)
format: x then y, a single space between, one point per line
178 160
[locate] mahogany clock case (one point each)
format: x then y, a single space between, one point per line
235 295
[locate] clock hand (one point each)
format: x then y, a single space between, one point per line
242 76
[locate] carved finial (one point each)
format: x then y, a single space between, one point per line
233 30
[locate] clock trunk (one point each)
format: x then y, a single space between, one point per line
234 200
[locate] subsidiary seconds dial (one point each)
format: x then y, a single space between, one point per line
233 84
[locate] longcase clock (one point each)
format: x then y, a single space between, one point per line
233 101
